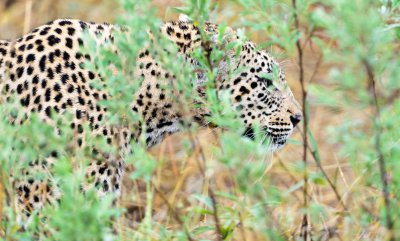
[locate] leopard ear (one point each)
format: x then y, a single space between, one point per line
213 31
184 18
229 35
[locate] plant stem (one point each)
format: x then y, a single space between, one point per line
174 212
304 226
330 182
211 193
381 158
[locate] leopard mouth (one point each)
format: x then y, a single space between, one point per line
273 140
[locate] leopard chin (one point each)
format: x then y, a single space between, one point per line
276 145
272 141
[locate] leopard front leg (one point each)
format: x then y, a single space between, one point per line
105 174
34 192
36 188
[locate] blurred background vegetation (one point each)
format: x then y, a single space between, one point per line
342 191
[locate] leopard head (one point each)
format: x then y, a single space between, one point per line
260 95
254 80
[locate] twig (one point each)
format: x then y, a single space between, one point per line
286 169
174 213
330 182
381 158
240 214
316 68
304 225
211 193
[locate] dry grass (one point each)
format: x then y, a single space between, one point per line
179 176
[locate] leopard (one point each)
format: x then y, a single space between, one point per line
45 70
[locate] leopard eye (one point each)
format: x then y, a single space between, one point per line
266 81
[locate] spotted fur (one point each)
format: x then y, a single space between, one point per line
45 69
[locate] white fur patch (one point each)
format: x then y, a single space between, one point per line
184 18
157 135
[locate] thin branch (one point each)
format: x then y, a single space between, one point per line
316 68
174 212
381 159
293 178
330 182
313 152
211 193
304 226
240 214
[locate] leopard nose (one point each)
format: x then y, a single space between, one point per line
295 119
